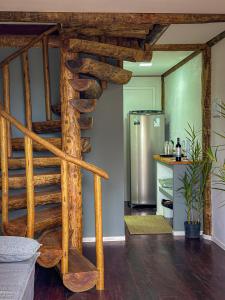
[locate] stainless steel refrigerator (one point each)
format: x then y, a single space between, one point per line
147 136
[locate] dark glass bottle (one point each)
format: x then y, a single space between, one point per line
178 150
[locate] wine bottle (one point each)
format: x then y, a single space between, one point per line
178 150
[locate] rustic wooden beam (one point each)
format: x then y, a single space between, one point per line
216 39
206 133
104 49
155 33
178 47
71 144
94 19
181 63
99 70
162 93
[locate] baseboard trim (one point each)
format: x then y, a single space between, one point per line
207 237
218 242
105 239
182 233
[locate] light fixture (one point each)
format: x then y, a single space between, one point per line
145 64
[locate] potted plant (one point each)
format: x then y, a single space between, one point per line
194 182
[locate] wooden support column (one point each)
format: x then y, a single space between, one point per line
5 173
71 144
28 109
206 132
6 97
46 78
162 93
98 232
65 221
30 186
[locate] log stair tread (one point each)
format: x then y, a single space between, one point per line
45 219
82 274
38 162
82 105
55 125
43 178
41 198
18 144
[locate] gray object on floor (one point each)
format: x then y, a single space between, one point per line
17 279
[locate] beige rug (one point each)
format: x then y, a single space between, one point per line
147 224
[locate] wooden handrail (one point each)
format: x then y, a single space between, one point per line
52 148
29 45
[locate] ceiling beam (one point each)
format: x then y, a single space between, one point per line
155 33
95 19
178 47
216 39
181 63
104 49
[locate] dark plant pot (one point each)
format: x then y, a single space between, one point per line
192 231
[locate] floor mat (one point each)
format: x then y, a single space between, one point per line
147 224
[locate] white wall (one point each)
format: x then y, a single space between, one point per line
183 95
141 93
218 125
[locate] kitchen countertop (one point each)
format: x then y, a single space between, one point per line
171 160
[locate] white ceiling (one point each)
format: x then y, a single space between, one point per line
129 6
191 33
161 62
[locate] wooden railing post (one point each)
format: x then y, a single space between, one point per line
65 216
98 232
6 97
4 168
28 109
46 78
30 186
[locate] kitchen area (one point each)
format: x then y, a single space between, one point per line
158 108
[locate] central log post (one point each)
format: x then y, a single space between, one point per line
71 144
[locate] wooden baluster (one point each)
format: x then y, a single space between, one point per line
4 168
28 109
30 186
98 232
6 97
65 217
46 78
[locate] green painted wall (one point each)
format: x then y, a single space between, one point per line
183 90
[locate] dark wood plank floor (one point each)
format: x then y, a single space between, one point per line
148 267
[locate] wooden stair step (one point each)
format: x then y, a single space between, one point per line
55 126
41 198
38 162
89 88
100 70
82 105
45 219
51 249
18 144
82 274
44 178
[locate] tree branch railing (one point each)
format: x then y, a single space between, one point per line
23 52
98 173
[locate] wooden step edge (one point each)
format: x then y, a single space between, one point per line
49 257
82 275
38 162
51 249
45 219
41 198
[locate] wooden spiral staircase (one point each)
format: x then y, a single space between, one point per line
44 182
